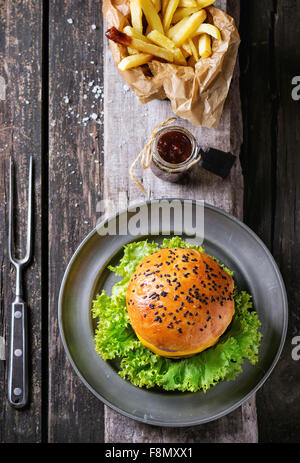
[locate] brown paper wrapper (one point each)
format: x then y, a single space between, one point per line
196 94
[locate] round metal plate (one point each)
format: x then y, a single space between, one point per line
255 271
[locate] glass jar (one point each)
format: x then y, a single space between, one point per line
173 172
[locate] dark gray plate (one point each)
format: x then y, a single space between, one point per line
255 270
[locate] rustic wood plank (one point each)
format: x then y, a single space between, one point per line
278 401
20 136
75 63
124 136
258 104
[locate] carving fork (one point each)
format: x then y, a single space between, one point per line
18 358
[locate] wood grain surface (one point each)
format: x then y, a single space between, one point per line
125 134
60 85
75 143
20 137
272 197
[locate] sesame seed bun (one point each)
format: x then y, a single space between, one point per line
180 301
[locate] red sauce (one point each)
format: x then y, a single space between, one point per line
174 147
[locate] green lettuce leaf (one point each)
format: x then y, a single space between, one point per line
177 242
114 337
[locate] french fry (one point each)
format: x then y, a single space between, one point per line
164 6
134 61
157 5
188 4
184 52
204 46
186 27
163 41
187 49
140 45
135 34
150 49
171 8
208 29
193 49
131 51
178 57
151 15
174 29
181 13
205 3
136 15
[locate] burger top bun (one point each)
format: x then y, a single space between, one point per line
180 301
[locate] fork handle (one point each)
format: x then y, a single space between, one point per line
18 359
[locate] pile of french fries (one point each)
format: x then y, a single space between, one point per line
171 30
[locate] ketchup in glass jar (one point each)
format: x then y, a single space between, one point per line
174 147
175 151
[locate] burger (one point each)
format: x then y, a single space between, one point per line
175 320
180 302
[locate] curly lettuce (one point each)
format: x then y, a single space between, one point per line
115 338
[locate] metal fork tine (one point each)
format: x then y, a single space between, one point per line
29 216
12 258
10 213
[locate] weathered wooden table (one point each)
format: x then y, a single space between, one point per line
63 101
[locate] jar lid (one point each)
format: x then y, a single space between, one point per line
216 161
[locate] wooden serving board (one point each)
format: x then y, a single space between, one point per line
127 127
